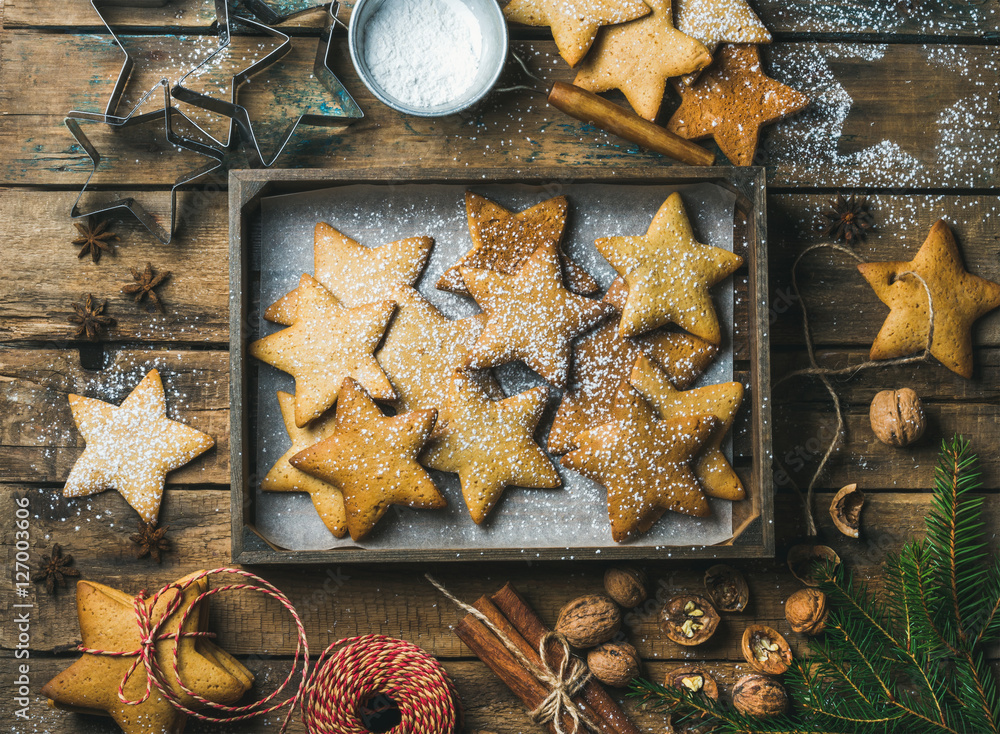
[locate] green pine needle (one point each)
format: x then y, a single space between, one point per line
909 662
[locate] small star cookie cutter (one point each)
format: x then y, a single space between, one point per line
110 114
348 109
129 204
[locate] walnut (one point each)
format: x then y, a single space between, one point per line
688 619
760 696
626 585
897 417
614 663
845 509
693 678
727 587
803 560
766 650
589 620
806 611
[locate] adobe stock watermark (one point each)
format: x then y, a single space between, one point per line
21 609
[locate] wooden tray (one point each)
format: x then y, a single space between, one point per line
752 522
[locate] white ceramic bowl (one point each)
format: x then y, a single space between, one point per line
494 55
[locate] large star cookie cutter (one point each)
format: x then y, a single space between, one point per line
129 203
110 114
346 109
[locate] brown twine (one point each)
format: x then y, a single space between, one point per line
825 373
564 680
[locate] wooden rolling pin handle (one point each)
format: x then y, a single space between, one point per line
588 107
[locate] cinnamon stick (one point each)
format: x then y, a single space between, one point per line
502 662
517 611
504 625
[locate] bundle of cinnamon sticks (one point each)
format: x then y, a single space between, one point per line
510 614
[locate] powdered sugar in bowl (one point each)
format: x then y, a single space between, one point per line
428 57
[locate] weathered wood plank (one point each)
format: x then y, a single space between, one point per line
40 442
936 109
35 302
346 600
971 20
488 706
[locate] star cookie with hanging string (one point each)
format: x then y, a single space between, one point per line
490 444
668 274
108 623
957 300
638 58
644 463
502 240
326 343
372 458
731 101
574 25
131 447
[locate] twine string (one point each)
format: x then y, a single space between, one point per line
563 679
825 373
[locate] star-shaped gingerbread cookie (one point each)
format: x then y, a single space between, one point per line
668 274
574 24
357 275
957 298
283 477
603 359
645 465
326 343
490 444
716 474
373 459
531 317
720 21
131 447
108 622
502 240
731 101
639 57
422 349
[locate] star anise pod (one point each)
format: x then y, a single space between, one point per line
150 541
849 219
95 238
91 319
55 569
145 284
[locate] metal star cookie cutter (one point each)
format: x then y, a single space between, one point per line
263 11
130 204
349 111
110 114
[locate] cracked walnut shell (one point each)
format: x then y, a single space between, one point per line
897 417
727 587
845 509
689 619
766 649
806 611
589 620
693 678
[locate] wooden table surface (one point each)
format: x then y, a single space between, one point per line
906 109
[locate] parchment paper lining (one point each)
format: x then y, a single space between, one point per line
575 516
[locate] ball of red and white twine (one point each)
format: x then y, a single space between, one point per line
348 674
